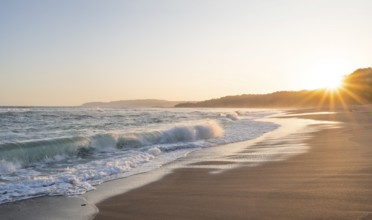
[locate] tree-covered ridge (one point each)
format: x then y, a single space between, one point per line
359 84
356 89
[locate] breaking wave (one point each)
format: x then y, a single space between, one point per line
26 153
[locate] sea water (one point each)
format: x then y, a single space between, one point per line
68 151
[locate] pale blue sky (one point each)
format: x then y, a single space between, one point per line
68 52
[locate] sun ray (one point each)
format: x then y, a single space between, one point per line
342 101
353 96
322 100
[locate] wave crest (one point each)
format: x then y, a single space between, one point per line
25 153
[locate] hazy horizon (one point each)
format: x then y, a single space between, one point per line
66 53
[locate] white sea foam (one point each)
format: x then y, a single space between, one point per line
154 151
7 167
233 116
209 129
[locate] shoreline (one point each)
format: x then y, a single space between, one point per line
217 158
327 182
209 165
83 206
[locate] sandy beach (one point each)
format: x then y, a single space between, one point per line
185 110
331 181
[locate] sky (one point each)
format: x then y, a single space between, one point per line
68 52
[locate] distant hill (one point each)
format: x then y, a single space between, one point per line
357 89
282 99
141 103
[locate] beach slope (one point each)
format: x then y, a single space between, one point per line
331 181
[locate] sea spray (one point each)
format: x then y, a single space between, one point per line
7 167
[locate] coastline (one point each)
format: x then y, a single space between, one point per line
226 182
331 181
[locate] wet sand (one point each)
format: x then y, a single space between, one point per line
331 181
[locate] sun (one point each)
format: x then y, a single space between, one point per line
324 80
330 82
326 74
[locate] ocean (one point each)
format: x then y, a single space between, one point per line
49 151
